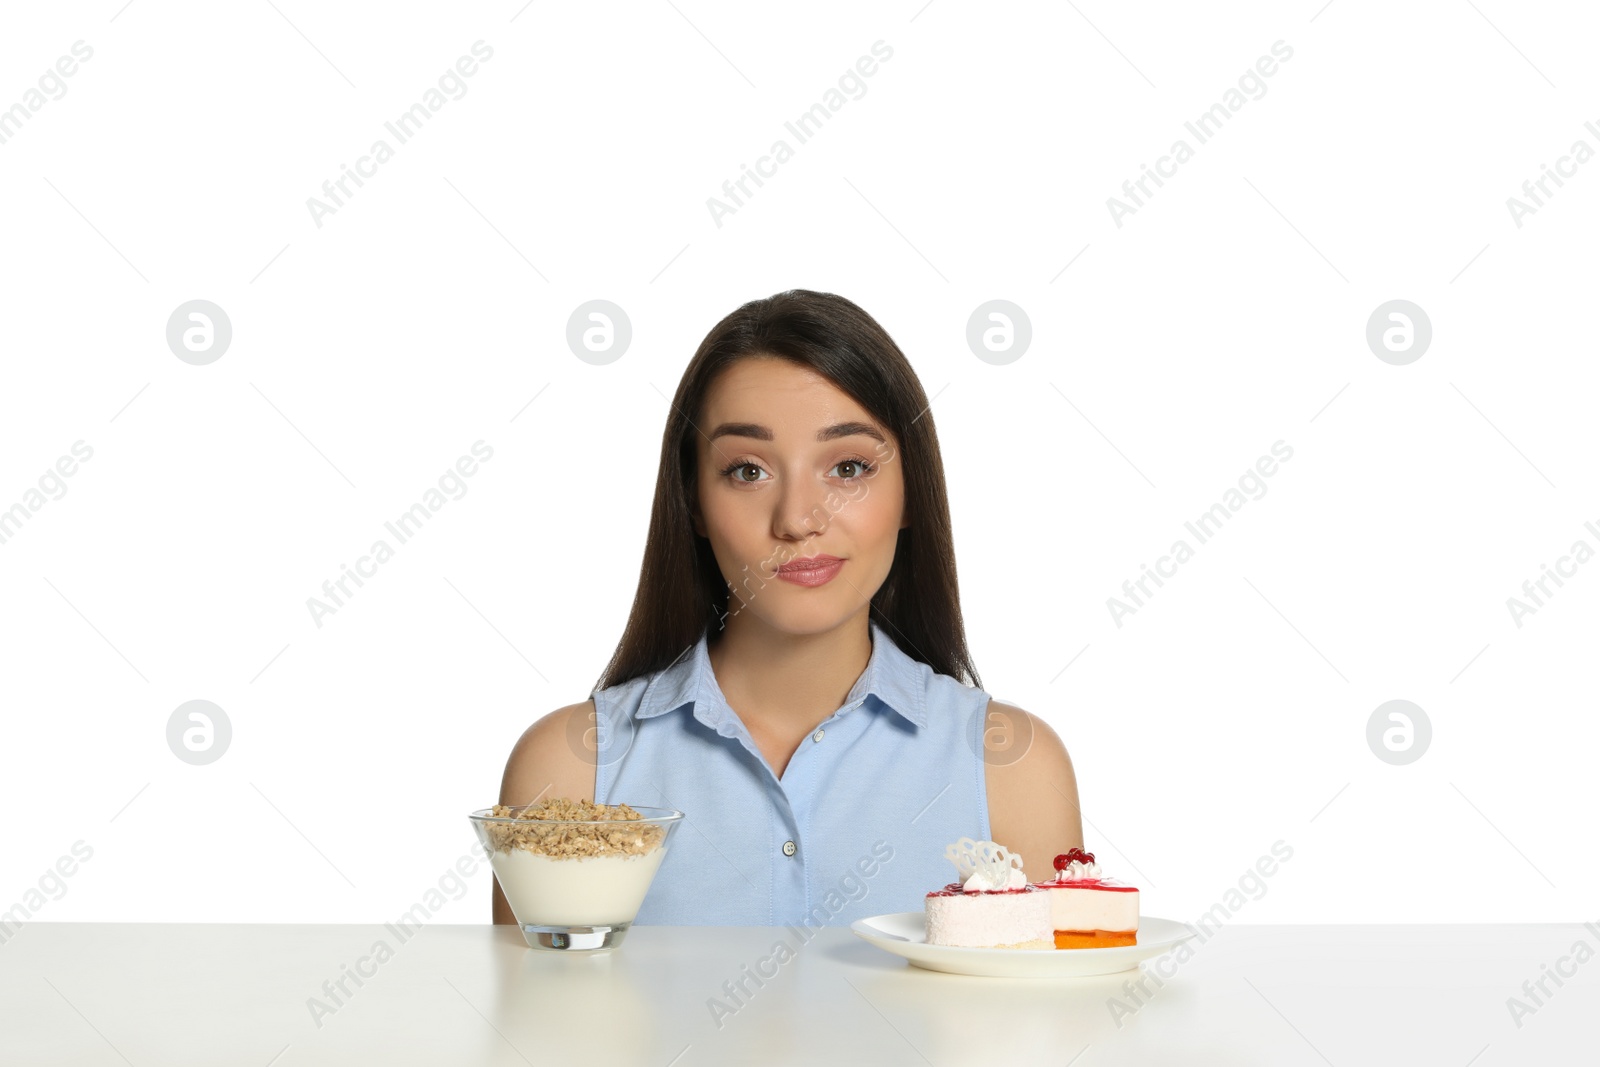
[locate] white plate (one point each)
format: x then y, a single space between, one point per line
904 934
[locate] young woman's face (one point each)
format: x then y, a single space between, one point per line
790 467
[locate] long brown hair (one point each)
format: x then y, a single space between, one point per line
681 589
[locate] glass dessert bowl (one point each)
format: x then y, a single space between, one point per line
575 873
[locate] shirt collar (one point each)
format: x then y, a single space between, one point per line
892 678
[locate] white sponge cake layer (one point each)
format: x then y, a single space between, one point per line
990 920
1093 909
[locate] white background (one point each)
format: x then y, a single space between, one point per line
1168 354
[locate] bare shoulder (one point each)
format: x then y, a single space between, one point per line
554 757
1031 787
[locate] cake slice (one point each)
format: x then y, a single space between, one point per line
1087 910
990 905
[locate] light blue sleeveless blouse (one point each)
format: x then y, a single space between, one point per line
856 826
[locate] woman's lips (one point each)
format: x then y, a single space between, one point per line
815 570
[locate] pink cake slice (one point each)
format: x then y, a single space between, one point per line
991 906
989 918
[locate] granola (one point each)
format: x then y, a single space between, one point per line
569 829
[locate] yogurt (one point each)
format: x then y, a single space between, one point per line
575 890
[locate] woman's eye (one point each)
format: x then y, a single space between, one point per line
858 468
738 470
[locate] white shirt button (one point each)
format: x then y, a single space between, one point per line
818 735
788 848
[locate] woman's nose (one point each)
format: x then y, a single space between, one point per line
801 511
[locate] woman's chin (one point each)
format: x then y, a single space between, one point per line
802 620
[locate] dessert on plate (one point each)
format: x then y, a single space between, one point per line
1087 910
990 905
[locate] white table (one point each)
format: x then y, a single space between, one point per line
148 994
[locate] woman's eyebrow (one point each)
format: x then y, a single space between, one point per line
762 433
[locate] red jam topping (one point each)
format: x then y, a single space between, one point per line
1071 855
1108 884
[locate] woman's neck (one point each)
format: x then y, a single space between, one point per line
783 682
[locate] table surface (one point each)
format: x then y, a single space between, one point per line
151 993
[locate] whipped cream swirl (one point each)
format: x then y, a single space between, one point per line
982 879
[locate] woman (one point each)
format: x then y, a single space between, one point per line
794 674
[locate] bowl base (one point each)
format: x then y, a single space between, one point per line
574 938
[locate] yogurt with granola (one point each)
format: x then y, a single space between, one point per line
574 863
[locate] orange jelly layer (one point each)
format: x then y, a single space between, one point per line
1095 938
